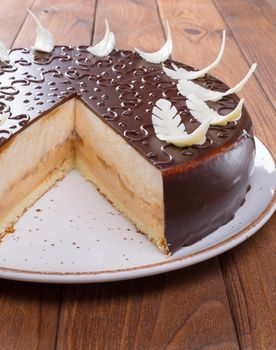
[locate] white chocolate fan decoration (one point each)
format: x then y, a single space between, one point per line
182 73
44 40
187 87
202 112
106 45
3 118
4 53
169 127
161 55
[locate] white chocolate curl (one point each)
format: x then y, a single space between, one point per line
169 127
3 118
161 55
106 45
44 40
4 53
187 87
182 73
202 112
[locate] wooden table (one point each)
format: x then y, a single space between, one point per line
228 302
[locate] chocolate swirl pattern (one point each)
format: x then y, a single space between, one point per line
121 89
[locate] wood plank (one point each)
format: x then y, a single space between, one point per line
71 22
187 309
253 26
250 277
134 314
199 26
131 30
11 24
29 312
249 270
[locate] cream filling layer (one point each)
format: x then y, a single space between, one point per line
26 150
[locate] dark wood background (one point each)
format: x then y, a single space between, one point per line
228 302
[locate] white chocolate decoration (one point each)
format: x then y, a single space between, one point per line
182 73
106 45
202 112
3 118
4 53
187 87
161 55
44 40
169 127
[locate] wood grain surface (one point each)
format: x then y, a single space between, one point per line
255 34
228 302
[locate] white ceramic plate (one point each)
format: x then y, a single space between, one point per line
73 235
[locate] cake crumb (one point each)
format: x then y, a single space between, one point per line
10 229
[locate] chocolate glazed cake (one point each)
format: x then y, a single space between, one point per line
71 109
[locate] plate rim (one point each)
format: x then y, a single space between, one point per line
148 269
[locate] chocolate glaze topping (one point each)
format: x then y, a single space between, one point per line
121 88
203 185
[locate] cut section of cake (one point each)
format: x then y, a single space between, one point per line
69 109
127 180
32 161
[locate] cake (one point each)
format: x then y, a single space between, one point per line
70 109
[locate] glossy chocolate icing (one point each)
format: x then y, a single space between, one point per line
122 89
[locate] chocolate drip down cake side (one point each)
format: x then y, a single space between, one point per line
169 146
